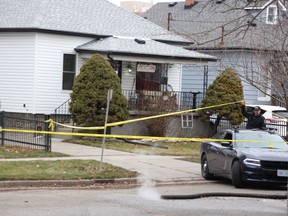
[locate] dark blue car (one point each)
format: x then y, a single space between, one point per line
245 156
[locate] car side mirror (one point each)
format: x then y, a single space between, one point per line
226 144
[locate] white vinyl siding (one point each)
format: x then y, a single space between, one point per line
174 76
50 51
128 79
31 70
17 53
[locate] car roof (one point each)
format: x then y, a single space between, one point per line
268 107
247 131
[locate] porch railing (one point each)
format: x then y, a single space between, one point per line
137 100
62 113
142 100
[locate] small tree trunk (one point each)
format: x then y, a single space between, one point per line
214 127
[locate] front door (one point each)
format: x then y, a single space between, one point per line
148 80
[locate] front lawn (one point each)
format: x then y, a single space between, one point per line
22 152
60 170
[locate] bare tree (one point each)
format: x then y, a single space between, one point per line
256 29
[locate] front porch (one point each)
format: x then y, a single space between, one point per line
147 100
165 101
149 103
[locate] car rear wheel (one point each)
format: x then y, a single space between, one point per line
237 175
205 168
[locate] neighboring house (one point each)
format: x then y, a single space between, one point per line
43 45
242 34
136 7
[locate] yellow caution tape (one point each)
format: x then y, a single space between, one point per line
51 124
52 127
192 139
168 114
136 120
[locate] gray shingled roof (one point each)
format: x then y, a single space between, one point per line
96 17
203 24
130 46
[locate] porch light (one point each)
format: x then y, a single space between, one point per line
129 67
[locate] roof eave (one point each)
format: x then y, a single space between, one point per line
184 43
229 48
144 55
53 32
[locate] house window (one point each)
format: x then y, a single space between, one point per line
271 15
69 71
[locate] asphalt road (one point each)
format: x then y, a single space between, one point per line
145 200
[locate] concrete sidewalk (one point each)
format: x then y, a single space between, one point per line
151 168
156 168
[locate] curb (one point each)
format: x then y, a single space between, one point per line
63 183
95 182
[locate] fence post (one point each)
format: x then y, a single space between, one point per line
47 136
2 125
286 134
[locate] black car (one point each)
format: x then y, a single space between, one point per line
245 156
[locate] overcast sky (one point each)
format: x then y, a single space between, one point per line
117 2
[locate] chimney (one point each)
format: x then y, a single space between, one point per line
221 44
190 3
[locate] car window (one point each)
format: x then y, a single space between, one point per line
228 136
219 135
260 140
280 114
267 114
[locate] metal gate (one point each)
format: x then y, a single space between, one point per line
25 121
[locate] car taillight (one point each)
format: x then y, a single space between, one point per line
275 120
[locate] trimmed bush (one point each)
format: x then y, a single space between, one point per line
226 88
89 94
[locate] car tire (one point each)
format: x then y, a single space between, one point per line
237 175
205 169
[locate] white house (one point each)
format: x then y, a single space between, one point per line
43 45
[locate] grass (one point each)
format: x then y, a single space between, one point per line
83 169
189 150
60 170
21 152
53 170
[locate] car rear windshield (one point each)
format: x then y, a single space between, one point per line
260 140
280 114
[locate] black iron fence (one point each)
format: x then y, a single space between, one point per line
137 100
25 121
144 100
279 127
